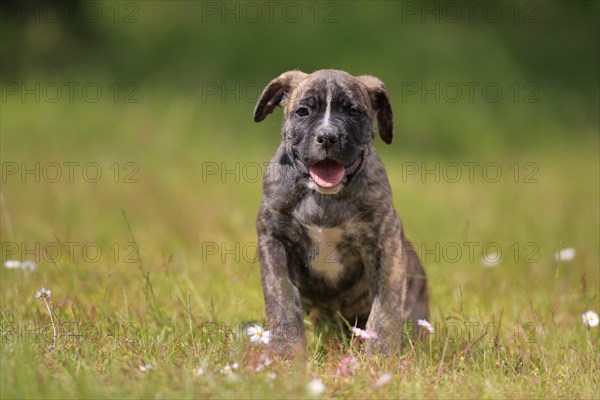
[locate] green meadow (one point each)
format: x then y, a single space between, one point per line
131 173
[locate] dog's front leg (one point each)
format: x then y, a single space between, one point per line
282 299
388 309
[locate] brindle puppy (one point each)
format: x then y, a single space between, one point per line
330 241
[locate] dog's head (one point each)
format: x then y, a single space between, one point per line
328 122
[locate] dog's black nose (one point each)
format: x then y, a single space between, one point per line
326 137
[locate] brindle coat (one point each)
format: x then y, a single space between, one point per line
339 251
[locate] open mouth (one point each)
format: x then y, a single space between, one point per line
329 173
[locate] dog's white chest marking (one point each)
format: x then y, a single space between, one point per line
324 258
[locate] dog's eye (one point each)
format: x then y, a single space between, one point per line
302 111
354 112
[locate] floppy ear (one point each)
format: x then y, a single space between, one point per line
273 94
380 101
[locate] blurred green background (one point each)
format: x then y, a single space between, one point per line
179 51
164 91
171 86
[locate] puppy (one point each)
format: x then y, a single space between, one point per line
330 241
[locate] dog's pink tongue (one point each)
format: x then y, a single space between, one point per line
327 173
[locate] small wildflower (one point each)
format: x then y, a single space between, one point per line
490 260
12 264
364 333
425 324
315 387
271 376
348 366
567 254
257 334
383 380
25 265
145 368
264 361
591 319
199 372
43 293
228 369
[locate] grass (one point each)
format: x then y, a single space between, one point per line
176 275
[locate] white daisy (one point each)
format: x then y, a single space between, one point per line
364 333
315 387
228 369
145 368
264 361
425 324
567 254
28 265
591 319
383 380
43 293
25 265
257 334
12 264
271 376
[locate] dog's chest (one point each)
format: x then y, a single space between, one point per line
324 258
